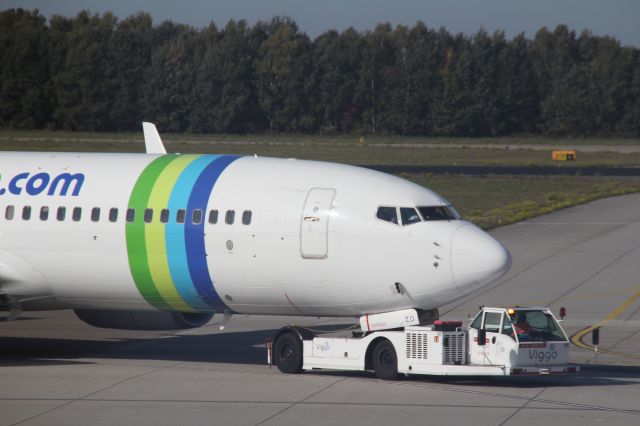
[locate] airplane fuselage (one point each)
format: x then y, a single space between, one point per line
214 233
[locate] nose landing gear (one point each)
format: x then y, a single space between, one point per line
15 309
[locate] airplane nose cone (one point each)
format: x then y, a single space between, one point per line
476 258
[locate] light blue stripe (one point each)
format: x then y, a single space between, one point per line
175 232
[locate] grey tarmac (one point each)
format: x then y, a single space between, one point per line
55 370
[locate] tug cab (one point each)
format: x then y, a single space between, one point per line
522 339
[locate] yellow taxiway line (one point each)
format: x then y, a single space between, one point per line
576 339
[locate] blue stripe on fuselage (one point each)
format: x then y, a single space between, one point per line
194 233
175 233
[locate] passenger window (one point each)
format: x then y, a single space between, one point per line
95 214
76 215
180 216
388 214
9 212
196 217
164 215
213 217
492 321
26 213
131 215
61 213
113 214
409 216
246 217
148 215
44 213
229 217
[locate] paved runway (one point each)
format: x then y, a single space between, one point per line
55 370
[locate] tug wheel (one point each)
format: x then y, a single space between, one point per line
287 353
385 361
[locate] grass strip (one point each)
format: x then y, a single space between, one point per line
493 201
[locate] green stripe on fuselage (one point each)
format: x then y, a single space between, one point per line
135 232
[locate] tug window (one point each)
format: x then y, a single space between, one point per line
44 213
131 215
8 214
180 216
148 215
409 215
438 213
61 213
230 217
388 214
196 217
492 321
164 215
76 215
113 214
95 214
213 217
507 328
246 217
26 213
477 323
537 326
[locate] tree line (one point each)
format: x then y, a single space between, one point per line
97 73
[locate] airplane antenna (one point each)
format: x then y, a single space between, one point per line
152 141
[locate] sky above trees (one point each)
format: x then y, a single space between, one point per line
616 18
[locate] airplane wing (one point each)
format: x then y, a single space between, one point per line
19 282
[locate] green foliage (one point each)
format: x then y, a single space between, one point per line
281 67
25 87
336 58
170 79
91 72
83 74
130 49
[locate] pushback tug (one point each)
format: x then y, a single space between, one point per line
497 342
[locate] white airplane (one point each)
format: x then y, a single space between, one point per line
164 241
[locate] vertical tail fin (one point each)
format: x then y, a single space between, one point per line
152 141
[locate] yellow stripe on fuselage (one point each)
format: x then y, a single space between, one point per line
155 233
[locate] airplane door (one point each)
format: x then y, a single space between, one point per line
314 224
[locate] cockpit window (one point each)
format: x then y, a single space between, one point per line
388 214
409 215
438 213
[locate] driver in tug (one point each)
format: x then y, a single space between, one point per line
523 329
